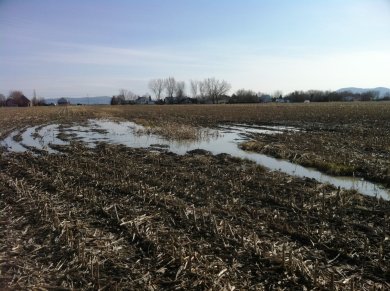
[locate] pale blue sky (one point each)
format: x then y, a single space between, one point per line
74 48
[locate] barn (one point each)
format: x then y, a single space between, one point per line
63 102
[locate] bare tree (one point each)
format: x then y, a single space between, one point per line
114 100
121 97
15 94
214 88
41 101
245 96
2 100
125 96
122 93
131 96
170 86
157 87
180 89
37 101
194 85
202 90
277 94
34 100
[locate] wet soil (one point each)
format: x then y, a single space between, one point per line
120 218
343 150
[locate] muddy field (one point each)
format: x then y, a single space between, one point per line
114 217
338 150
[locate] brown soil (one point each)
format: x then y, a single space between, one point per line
120 218
116 217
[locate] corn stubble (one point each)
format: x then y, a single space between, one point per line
114 218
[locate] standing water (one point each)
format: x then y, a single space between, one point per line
224 140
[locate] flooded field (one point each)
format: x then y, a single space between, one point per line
195 197
224 139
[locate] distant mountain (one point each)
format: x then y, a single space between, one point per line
381 90
83 100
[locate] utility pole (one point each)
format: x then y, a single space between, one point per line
34 101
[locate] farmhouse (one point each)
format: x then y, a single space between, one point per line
282 100
144 100
265 99
63 102
19 101
10 102
23 101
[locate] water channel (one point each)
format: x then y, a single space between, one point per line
225 139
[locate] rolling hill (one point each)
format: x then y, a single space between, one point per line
83 100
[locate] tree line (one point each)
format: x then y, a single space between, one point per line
332 96
169 90
209 90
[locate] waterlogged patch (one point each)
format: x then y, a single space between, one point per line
260 129
223 140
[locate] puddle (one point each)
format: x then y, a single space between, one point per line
225 141
263 129
37 137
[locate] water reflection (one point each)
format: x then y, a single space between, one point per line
224 140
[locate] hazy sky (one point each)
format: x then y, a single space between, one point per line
73 48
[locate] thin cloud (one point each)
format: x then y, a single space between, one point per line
104 55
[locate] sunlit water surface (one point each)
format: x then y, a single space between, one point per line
225 139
